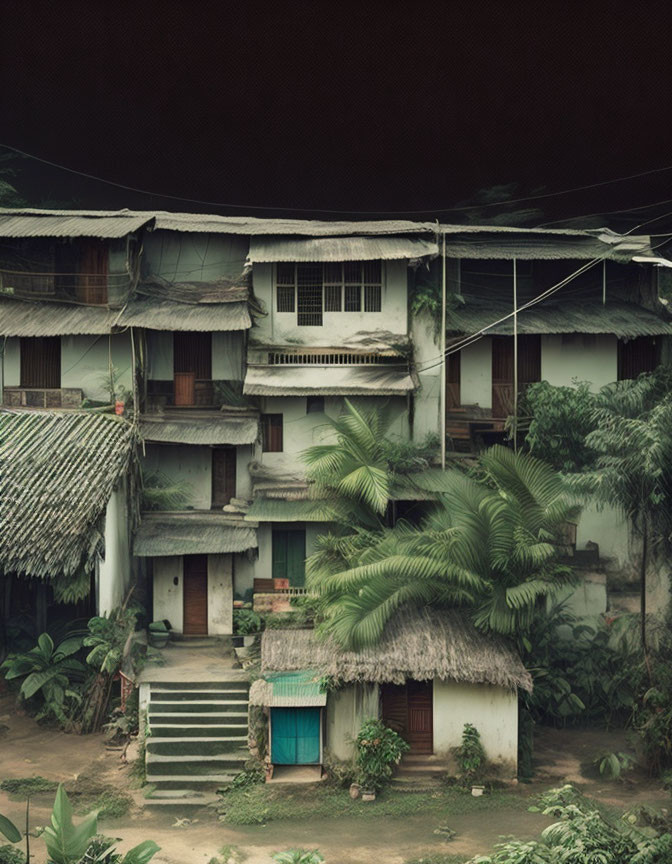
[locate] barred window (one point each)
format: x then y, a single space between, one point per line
312 289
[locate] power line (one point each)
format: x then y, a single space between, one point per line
460 209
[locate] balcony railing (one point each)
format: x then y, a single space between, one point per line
42 397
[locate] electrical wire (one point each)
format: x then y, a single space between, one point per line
461 209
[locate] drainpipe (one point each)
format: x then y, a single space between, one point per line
443 353
515 355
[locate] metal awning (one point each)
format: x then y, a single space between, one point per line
213 428
200 532
29 318
288 690
556 248
69 225
281 510
271 249
171 315
328 381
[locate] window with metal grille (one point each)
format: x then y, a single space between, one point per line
314 404
311 289
271 433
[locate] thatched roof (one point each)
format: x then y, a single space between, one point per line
418 643
57 472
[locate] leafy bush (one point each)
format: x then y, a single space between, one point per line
245 621
561 418
583 835
298 856
26 787
378 750
109 638
48 672
10 855
404 457
613 765
470 754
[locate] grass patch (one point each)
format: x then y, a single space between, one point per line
111 804
11 855
26 787
229 854
260 804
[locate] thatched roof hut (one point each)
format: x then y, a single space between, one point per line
57 472
417 643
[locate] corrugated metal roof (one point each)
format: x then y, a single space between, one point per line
539 247
209 429
339 249
26 318
170 315
328 381
307 227
624 320
288 690
280 510
66 224
200 532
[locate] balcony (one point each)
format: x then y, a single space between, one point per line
43 397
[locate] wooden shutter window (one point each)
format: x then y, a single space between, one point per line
192 368
93 269
636 356
41 362
289 556
271 426
223 475
529 369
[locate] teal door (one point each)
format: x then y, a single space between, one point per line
289 556
295 736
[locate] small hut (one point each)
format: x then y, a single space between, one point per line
431 673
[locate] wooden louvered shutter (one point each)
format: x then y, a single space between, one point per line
271 429
192 363
195 595
223 475
636 356
41 362
93 267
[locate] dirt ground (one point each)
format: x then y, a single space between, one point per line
27 749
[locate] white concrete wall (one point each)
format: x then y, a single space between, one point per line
492 710
184 463
279 327
476 373
346 711
12 362
85 363
193 257
579 357
168 597
427 400
608 527
220 595
114 570
160 355
588 599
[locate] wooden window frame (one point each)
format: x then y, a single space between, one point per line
220 497
272 433
340 290
30 370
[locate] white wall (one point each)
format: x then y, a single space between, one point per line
12 361
346 711
279 327
427 400
608 527
85 363
114 570
579 357
227 356
168 597
492 710
192 257
183 463
160 355
476 374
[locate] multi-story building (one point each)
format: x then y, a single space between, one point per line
226 342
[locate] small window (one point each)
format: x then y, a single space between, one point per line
333 300
353 298
285 298
372 298
271 431
315 405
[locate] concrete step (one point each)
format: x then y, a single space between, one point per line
175 747
202 706
163 695
233 684
159 765
414 770
190 718
197 783
194 799
177 731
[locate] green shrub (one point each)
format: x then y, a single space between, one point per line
298 856
378 750
470 754
26 787
245 621
11 855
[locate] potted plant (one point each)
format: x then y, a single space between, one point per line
246 625
379 749
159 633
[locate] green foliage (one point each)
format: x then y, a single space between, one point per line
560 420
9 830
10 855
245 622
379 749
491 544
48 672
26 787
298 856
405 457
161 492
470 754
245 779
438 858
613 765
583 835
110 638
112 804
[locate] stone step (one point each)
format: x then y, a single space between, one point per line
189 799
203 782
163 695
168 732
204 706
192 766
184 719
206 747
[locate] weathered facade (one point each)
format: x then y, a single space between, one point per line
227 342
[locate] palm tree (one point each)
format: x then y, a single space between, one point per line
489 545
633 468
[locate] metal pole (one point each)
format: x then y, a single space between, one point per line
443 353
604 282
2 371
515 356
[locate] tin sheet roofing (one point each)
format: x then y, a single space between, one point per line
171 315
200 532
71 224
339 249
211 429
288 690
26 318
328 381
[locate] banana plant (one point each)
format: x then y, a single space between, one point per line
9 830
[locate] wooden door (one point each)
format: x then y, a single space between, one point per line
195 595
192 368
223 475
529 370
408 709
41 362
453 370
185 388
93 265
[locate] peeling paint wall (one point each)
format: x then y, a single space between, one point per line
220 595
114 570
168 596
581 357
346 711
85 362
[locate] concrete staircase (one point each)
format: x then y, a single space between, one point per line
419 773
196 739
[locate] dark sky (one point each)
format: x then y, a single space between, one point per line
355 107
